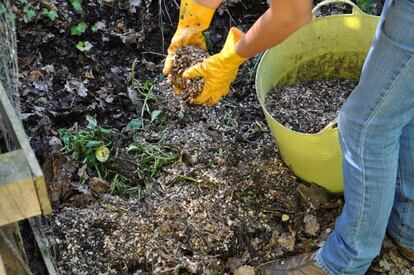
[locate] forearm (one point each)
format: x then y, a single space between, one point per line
209 3
282 19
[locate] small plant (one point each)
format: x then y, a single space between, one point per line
145 92
30 11
94 28
79 29
229 120
51 14
84 46
367 5
207 37
77 5
10 16
152 158
89 146
3 9
29 14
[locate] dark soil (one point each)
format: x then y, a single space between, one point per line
227 199
184 59
309 106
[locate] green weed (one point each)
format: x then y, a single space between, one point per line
83 145
78 29
77 5
84 46
151 159
29 13
51 14
367 5
145 93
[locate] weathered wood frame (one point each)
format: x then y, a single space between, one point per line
23 191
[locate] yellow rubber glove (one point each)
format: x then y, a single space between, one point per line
218 71
194 19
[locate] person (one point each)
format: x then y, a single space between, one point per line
376 127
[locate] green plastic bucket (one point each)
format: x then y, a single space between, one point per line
334 46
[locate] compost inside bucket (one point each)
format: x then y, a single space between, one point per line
308 106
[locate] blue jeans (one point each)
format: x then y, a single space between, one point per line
376 129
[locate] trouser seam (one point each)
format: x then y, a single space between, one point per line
321 262
405 216
362 138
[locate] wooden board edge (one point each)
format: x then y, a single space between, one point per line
42 194
43 246
2 267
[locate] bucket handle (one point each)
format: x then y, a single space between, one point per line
332 126
355 9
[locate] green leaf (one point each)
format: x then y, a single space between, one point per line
94 28
77 5
78 29
51 14
135 123
2 9
133 149
30 14
11 17
207 37
93 144
155 115
24 1
84 46
92 123
147 85
181 114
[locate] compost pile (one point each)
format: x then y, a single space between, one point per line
309 106
185 58
186 189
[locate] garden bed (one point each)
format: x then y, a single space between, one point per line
186 188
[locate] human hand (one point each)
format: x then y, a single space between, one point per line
194 19
218 71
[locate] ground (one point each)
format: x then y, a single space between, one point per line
187 189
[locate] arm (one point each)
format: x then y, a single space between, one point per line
283 18
212 4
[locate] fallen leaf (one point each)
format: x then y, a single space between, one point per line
314 195
98 185
311 225
285 218
287 241
234 263
244 270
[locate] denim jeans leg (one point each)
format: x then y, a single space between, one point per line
370 125
401 224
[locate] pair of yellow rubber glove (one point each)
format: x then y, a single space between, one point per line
218 70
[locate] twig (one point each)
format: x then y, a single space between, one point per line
154 53
161 25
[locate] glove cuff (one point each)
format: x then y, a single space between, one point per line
193 14
229 49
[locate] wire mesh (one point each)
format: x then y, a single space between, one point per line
8 62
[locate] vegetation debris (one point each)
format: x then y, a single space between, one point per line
309 106
185 58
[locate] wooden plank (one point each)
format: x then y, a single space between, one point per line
2 267
12 251
18 201
44 245
14 167
18 196
16 130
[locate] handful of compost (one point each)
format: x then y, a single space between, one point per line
185 58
